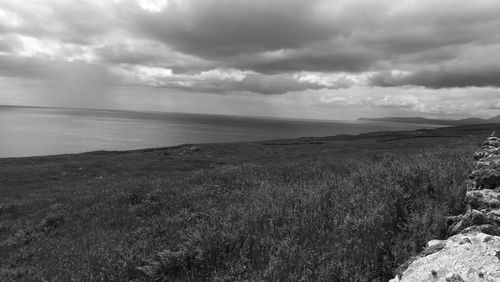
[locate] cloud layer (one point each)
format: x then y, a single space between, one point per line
255 46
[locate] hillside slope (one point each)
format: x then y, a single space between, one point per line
338 208
473 252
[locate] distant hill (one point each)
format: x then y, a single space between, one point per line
494 119
421 120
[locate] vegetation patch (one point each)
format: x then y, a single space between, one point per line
348 210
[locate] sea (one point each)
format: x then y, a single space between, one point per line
33 131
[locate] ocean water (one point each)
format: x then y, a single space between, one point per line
26 131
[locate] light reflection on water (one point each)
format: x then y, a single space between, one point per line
45 131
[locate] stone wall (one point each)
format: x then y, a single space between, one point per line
472 253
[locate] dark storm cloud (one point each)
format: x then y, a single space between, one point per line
326 36
128 54
310 59
151 53
223 28
384 42
441 79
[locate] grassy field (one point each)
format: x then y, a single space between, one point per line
343 208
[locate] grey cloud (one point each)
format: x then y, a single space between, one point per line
6 46
255 83
151 53
321 60
440 79
274 38
455 79
66 21
217 29
272 84
126 54
325 36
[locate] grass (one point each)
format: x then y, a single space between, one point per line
330 209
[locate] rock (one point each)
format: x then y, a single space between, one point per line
458 261
486 152
492 158
488 161
492 141
471 218
483 199
489 229
453 218
495 151
432 243
479 155
433 246
488 148
488 178
450 220
456 227
493 216
477 217
194 149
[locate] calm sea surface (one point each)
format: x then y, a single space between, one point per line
46 131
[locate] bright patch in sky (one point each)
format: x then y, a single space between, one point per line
153 6
9 19
224 74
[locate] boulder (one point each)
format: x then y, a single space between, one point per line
490 229
488 178
464 257
486 151
492 141
495 151
488 161
476 217
194 149
470 218
493 216
483 199
457 227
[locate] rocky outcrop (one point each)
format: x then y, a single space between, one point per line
472 253
483 195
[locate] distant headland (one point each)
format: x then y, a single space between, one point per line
421 120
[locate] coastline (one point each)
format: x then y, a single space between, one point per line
364 135
49 131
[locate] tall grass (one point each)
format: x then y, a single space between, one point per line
350 217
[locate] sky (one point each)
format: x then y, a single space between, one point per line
321 59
